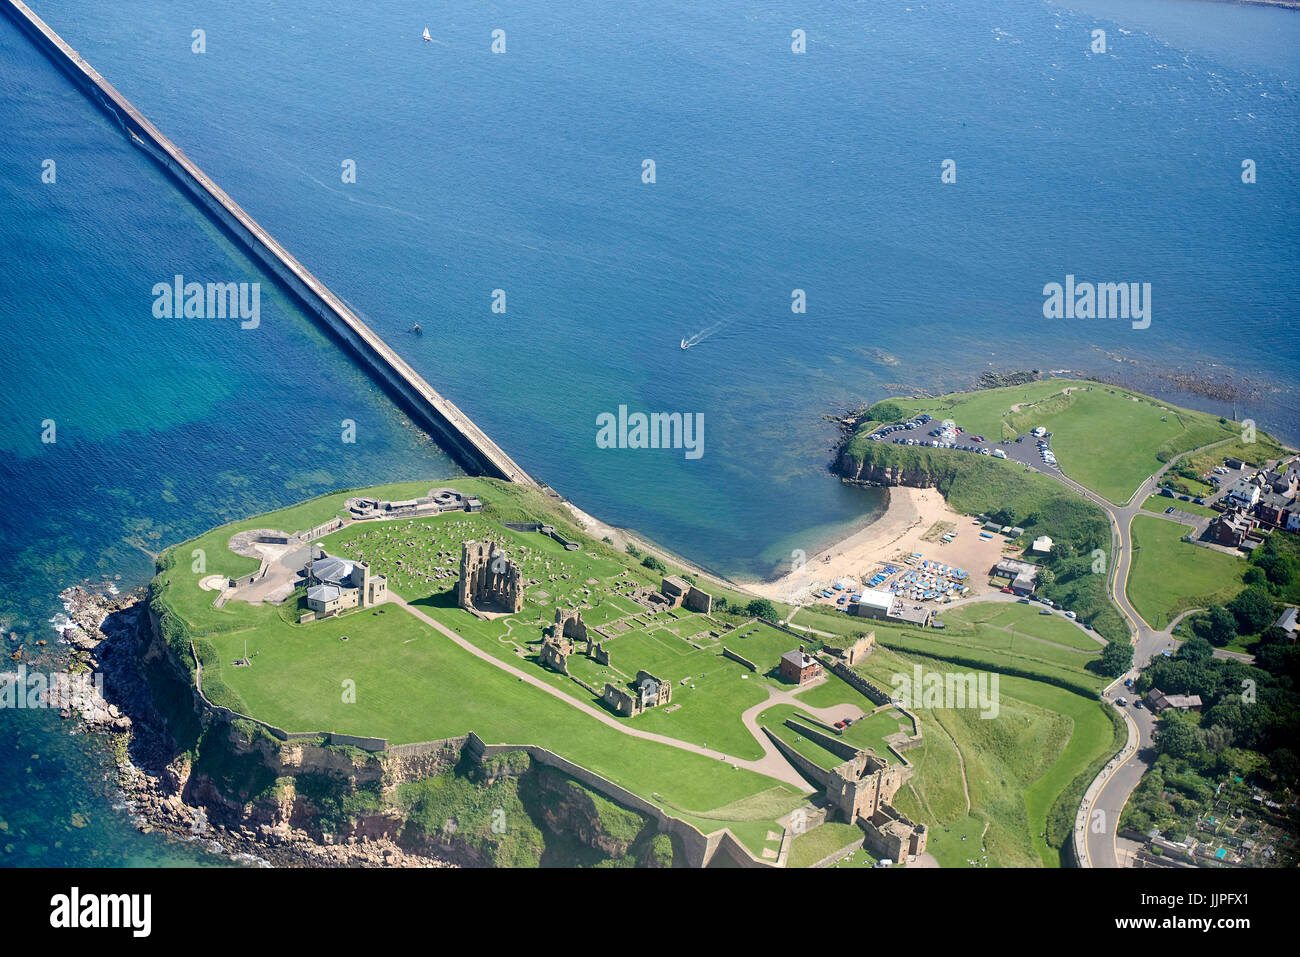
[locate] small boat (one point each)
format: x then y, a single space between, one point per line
417 330
427 38
684 345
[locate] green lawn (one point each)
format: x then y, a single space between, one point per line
413 684
1170 575
1084 426
1017 764
824 840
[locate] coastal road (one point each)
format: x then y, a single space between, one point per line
1102 844
1102 847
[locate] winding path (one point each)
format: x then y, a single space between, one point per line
772 764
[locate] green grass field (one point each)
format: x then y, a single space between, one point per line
397 678
1016 766
1170 576
824 840
1085 424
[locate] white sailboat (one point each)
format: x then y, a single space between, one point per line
427 38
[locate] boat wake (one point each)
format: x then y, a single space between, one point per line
707 333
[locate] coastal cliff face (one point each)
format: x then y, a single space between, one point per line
876 473
193 773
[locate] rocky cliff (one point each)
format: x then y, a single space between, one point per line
189 771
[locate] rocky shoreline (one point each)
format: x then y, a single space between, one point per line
106 635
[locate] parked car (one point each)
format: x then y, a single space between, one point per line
1007 591
1071 615
1044 611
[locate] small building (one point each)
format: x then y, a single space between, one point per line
799 667
1023 575
1243 493
1234 463
1272 508
1159 701
1287 622
1042 545
873 604
336 584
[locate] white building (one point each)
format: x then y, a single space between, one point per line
335 584
1042 545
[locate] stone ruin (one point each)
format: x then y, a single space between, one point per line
554 653
859 792
682 594
559 640
855 652
488 579
651 692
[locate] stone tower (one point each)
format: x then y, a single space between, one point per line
488 578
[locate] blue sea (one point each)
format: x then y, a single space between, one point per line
522 172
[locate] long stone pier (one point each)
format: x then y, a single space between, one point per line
454 430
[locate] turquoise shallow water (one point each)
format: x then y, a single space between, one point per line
522 172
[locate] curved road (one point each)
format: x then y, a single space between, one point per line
1101 847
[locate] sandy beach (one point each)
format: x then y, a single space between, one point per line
911 516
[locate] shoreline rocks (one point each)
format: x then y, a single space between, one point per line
105 636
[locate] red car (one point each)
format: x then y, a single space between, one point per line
1008 591
841 725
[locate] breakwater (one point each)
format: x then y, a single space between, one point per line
455 432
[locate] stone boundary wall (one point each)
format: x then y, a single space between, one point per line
427 747
543 529
324 528
842 853
700 849
803 765
728 653
828 741
859 683
228 714
455 432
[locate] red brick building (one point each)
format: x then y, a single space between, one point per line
799 667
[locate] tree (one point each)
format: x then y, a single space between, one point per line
761 608
1177 739
1222 626
1195 650
1253 610
1116 658
654 564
